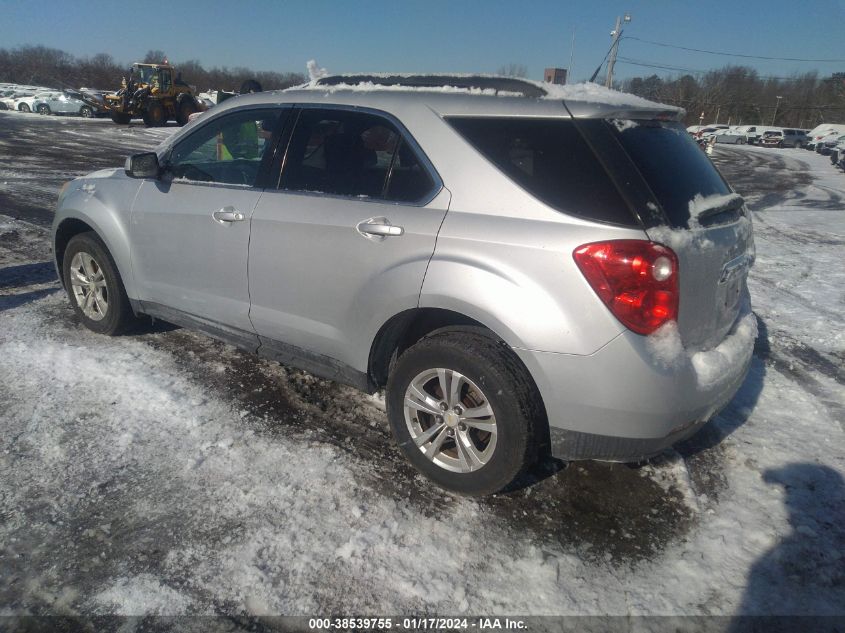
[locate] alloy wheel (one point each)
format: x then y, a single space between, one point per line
450 420
89 287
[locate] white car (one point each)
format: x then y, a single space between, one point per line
27 104
819 133
11 101
62 103
732 135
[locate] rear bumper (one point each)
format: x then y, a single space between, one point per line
621 404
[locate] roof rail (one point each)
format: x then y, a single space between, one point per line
480 82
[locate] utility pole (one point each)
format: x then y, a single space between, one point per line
777 105
569 76
616 34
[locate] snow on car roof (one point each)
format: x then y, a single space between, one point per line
584 99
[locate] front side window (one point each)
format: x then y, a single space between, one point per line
357 154
228 150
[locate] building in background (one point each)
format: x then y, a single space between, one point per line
555 75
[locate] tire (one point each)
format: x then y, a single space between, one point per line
86 112
154 115
24 108
121 118
43 109
107 311
488 374
186 109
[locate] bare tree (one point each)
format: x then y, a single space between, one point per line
154 57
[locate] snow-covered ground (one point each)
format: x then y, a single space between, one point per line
165 473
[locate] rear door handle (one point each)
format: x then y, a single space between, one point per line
227 215
378 228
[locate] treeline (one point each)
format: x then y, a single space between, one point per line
738 95
42 66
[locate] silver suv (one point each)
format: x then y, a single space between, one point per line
526 269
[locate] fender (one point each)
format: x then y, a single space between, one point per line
521 280
102 200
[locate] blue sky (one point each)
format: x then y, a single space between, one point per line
435 35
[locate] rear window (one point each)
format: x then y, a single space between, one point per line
551 160
673 165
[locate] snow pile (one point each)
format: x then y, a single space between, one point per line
708 205
140 596
681 239
369 86
314 70
718 365
713 366
594 93
625 124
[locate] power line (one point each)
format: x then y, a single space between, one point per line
692 71
701 50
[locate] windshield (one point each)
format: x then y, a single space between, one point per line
143 74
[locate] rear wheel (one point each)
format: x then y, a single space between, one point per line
24 108
86 112
94 286
43 109
121 118
154 115
464 411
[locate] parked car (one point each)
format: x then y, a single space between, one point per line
820 132
752 133
27 103
62 103
828 142
471 254
783 138
12 99
837 152
794 138
731 136
707 131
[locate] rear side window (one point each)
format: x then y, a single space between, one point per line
551 160
673 165
357 154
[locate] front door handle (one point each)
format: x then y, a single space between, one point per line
227 215
378 228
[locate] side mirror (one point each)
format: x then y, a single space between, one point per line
143 166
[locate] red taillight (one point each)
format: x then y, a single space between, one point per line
637 280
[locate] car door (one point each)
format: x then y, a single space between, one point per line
190 228
343 243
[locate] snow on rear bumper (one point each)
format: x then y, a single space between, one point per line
627 403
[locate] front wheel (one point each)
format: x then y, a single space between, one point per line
464 411
154 115
86 112
94 286
121 118
24 108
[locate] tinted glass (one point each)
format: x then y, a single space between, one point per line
673 165
228 150
551 160
408 181
342 152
